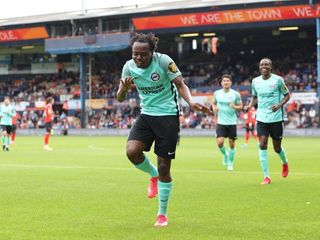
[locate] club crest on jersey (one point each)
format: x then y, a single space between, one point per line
273 86
155 77
172 67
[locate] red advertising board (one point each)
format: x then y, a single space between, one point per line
23 34
228 17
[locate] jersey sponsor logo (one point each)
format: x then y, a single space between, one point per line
152 89
173 67
267 94
155 77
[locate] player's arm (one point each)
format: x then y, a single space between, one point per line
285 92
11 112
173 73
124 87
186 95
214 105
237 105
253 101
125 84
284 100
52 114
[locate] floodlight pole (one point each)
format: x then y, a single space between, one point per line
318 57
311 3
318 66
83 89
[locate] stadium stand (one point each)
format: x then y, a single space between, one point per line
28 74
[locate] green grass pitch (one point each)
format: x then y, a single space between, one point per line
87 189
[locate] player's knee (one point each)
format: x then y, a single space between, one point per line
132 153
277 149
263 146
232 144
220 145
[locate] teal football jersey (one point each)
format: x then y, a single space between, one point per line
158 94
226 114
269 92
7 112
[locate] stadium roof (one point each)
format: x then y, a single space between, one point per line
119 7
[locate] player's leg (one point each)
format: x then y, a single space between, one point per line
139 140
164 188
13 134
179 137
263 133
253 132
3 137
7 139
48 127
276 134
222 149
247 135
232 134
135 154
221 133
231 153
166 130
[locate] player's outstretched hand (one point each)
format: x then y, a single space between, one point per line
200 108
127 82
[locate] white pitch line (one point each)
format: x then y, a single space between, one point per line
96 148
27 166
243 172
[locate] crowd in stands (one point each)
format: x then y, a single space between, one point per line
201 77
205 76
297 116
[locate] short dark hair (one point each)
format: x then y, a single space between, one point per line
149 38
268 59
49 99
226 76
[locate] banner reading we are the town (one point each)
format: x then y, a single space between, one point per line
228 17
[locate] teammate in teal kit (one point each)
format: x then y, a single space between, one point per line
272 94
226 102
6 113
158 82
